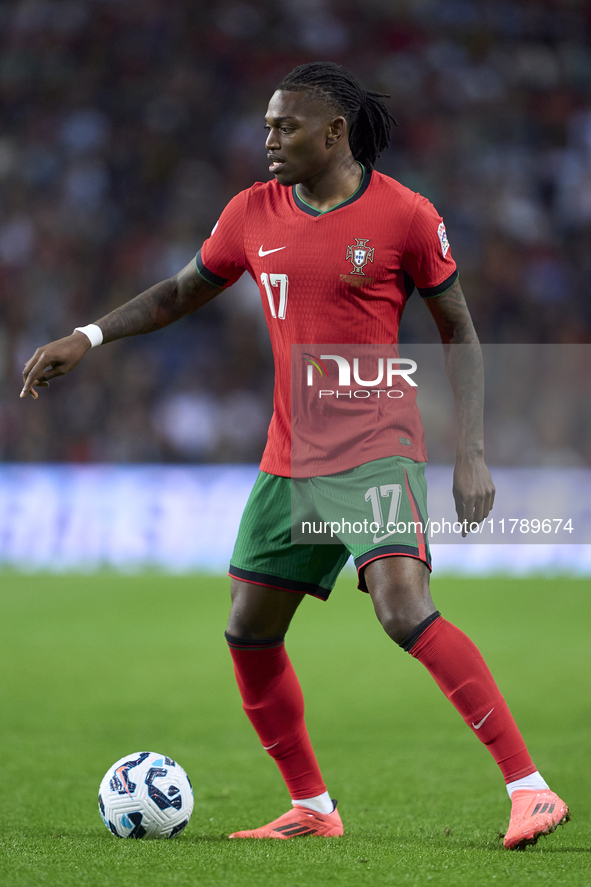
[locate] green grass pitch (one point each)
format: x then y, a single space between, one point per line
93 668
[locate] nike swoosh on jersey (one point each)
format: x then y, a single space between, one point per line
377 538
265 252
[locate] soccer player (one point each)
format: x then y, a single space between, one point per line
336 249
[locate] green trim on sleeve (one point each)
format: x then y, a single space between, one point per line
207 275
434 291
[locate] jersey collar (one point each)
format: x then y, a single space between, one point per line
312 211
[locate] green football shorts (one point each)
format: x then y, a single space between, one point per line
298 534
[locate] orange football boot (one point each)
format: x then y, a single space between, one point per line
297 823
533 813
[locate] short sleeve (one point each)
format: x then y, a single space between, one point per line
221 259
427 257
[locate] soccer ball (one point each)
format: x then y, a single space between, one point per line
145 795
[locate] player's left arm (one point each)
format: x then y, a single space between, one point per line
473 488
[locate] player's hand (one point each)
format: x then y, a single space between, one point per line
55 359
473 490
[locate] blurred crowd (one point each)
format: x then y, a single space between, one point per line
128 124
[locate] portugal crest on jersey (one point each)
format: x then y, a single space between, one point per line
359 254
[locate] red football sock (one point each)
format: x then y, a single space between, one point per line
273 700
460 671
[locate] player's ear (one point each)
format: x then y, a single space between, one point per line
336 130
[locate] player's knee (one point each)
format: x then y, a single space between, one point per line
400 613
399 589
250 625
251 618
259 612
396 625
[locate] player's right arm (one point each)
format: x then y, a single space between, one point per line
152 310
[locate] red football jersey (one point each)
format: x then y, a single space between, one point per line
341 277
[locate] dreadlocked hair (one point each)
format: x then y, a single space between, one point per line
366 114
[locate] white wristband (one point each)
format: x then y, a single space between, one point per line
93 332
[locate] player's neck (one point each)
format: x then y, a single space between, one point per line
332 186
